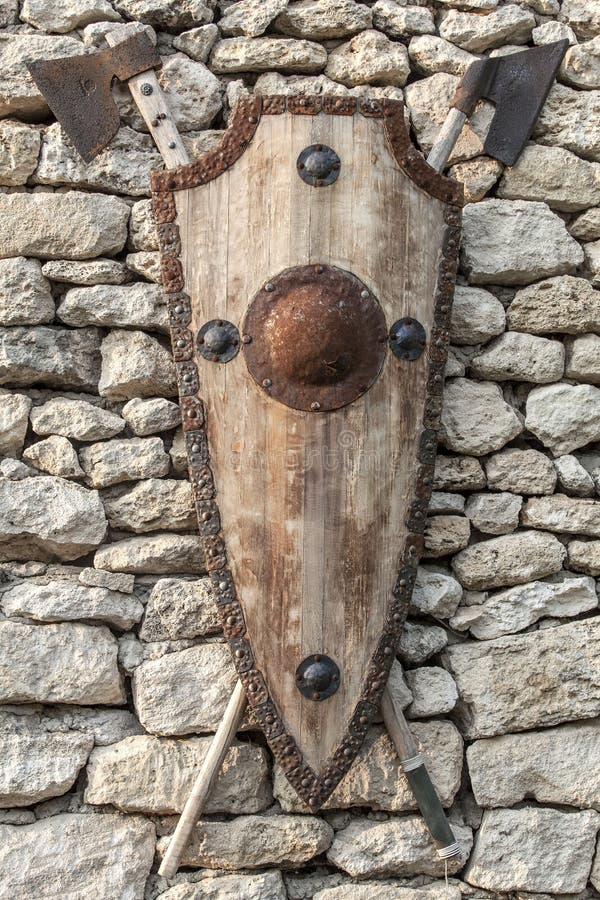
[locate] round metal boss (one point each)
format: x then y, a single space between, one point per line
316 338
407 338
318 165
218 340
317 677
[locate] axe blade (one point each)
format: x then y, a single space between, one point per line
518 84
78 90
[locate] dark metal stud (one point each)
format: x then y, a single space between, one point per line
407 338
218 341
146 89
317 677
318 165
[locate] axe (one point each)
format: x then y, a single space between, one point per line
78 91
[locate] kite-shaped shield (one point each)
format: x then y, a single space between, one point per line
309 264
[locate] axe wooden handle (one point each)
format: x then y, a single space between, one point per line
446 139
151 102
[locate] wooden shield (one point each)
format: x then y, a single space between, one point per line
310 414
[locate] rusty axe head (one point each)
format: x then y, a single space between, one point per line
77 89
518 84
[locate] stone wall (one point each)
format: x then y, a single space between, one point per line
113 673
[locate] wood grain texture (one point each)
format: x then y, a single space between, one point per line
313 505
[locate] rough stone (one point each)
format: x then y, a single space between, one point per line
193 93
376 779
261 54
581 66
150 416
66 15
586 227
434 692
399 21
592 262
584 556
135 364
19 95
55 455
250 17
37 764
134 305
556 765
551 31
67 663
573 515
147 264
124 459
573 478
562 305
14 417
458 473
178 609
478 176
430 54
259 886
418 642
526 681
172 16
390 890
435 594
25 296
513 848
105 856
19 151
509 24
369 58
75 419
568 120
9 12
442 502
509 559
54 226
400 846
494 513
156 775
428 102
554 175
93 271
151 505
582 358
59 601
476 419
142 228
318 20
564 416
583 17
50 356
184 692
445 534
158 554
512 610
114 581
520 357
197 42
516 242
49 518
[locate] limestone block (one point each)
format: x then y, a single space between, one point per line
75 419
74 225
56 456
434 692
172 16
586 227
509 24
93 271
19 151
435 594
124 459
520 357
475 418
105 856
516 242
197 42
242 54
399 21
581 65
376 779
135 364
184 692
151 505
178 609
66 15
147 264
572 476
146 417
14 418
591 253
494 513
458 473
133 305
478 176
418 642
554 175
564 305
250 17
369 58
430 54
49 518
568 119
253 842
158 554
156 775
583 17
67 663
9 12
513 848
551 31
259 886
560 513
320 20
25 296
142 229
509 559
564 416
19 95
526 681
390 890
114 581
50 356
60 601
445 535
516 608
584 556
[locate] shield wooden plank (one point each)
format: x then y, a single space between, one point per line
311 510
